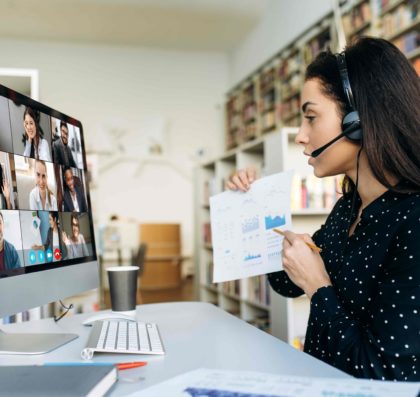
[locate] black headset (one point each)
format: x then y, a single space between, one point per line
350 126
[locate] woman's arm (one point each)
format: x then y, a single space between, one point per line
32 200
84 247
44 151
27 150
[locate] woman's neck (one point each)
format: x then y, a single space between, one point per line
368 187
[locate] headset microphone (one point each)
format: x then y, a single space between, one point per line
350 129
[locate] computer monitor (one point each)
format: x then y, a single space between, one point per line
47 244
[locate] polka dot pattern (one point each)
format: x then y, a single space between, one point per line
368 322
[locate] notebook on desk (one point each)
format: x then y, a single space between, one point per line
61 380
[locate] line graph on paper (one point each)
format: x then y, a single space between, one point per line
244 244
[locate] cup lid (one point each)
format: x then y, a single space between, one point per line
122 268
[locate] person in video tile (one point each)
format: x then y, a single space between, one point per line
61 151
4 191
54 239
41 197
9 258
74 197
35 146
76 244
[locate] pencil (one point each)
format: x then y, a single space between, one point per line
310 245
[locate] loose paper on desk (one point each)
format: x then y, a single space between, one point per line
244 243
220 383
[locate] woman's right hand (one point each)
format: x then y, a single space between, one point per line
65 238
242 179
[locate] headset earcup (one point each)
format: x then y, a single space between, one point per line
351 121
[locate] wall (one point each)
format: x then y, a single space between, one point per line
135 95
282 22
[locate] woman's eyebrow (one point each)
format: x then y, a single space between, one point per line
306 104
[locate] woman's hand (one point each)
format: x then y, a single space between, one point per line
304 266
242 179
65 238
6 193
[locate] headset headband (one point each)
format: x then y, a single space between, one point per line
342 68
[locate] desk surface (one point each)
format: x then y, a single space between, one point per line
195 335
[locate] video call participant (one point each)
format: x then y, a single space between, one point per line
76 244
9 258
74 198
35 146
61 151
5 202
54 239
41 197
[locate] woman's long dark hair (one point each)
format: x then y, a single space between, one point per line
386 92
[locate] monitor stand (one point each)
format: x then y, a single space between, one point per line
16 343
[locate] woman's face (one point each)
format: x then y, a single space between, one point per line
321 123
75 227
30 127
52 221
68 176
41 176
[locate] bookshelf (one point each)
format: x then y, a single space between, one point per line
278 82
252 299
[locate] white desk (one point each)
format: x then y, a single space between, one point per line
195 335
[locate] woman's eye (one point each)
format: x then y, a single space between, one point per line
310 119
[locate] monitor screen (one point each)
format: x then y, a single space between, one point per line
45 209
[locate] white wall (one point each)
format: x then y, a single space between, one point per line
139 91
282 22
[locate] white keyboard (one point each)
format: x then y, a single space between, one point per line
121 336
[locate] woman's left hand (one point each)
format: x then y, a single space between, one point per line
304 266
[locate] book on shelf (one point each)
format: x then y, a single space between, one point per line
313 47
232 287
209 273
207 233
233 119
310 192
401 17
259 290
268 99
357 18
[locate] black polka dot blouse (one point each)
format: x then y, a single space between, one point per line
368 322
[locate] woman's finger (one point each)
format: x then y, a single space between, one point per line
251 173
238 183
231 186
244 178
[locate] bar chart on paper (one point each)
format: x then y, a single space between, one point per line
244 244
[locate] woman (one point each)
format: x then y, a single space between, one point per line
74 198
5 202
35 146
76 244
364 287
41 197
54 239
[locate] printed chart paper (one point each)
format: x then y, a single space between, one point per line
244 243
219 383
